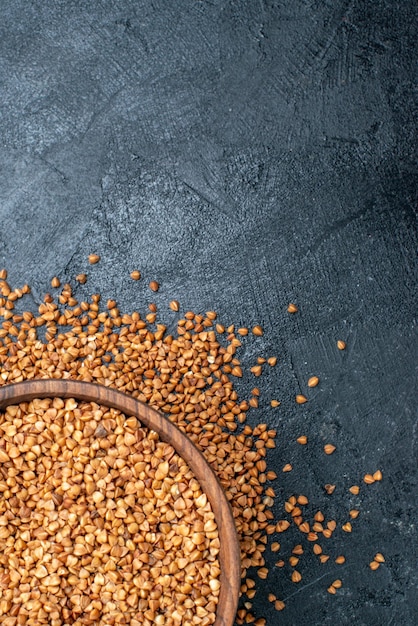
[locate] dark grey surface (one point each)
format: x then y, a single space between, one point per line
245 154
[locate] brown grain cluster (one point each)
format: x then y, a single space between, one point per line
100 520
187 374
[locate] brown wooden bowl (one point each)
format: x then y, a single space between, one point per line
229 556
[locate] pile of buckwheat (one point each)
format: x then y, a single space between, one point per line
99 519
92 537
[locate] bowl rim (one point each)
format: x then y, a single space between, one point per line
229 554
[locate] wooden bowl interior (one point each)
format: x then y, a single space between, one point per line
229 556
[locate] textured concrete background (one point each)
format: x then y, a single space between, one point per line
244 154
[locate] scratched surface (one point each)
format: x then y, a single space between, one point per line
244 154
